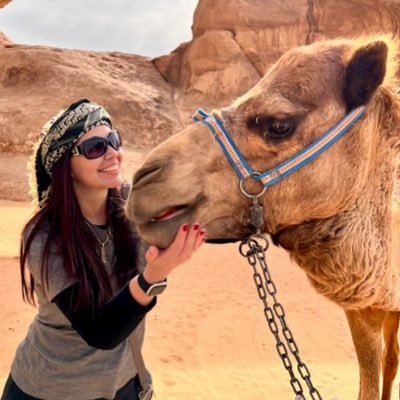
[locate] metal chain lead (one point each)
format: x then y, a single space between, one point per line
257 253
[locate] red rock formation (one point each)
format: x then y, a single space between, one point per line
4 40
233 44
38 81
4 3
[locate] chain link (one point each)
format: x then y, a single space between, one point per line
265 286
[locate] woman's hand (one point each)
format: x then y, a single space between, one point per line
161 262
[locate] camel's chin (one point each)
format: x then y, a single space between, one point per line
162 233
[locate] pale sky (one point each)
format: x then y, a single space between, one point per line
146 27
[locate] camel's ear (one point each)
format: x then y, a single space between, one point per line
364 73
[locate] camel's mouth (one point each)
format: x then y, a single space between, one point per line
160 225
174 212
169 213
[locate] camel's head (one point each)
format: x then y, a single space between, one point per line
188 178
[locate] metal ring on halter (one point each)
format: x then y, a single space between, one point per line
241 248
251 196
251 242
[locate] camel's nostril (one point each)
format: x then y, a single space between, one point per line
147 174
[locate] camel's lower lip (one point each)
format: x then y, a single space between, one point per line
175 212
169 213
162 230
172 215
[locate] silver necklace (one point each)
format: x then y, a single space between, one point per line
103 243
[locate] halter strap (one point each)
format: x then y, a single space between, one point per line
243 170
273 175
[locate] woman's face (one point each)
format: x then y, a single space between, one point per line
98 173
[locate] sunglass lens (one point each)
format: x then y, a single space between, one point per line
97 146
95 149
114 139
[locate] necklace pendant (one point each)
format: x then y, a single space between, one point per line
103 254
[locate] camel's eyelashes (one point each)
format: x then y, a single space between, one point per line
272 128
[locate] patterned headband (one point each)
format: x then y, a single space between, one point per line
58 136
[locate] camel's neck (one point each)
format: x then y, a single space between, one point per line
351 257
346 257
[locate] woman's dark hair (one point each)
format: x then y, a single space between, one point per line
66 230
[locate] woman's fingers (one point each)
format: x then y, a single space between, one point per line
195 238
187 241
152 253
200 239
161 262
190 240
177 245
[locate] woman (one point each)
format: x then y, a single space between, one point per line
81 259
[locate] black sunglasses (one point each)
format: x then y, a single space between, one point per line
96 146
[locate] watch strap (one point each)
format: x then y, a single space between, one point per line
144 285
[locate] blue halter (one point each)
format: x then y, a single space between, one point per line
273 175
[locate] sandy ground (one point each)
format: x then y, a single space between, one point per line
207 338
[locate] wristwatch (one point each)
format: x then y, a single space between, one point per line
151 289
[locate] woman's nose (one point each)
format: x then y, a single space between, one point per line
111 152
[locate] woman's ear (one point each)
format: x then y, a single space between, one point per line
364 73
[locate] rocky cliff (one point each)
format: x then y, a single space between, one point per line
233 44
36 82
4 2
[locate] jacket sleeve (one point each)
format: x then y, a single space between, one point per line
106 327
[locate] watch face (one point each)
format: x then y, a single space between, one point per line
156 288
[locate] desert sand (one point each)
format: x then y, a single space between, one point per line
207 338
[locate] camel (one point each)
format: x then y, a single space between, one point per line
338 216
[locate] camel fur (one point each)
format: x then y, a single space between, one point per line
338 217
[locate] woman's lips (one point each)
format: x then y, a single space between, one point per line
113 169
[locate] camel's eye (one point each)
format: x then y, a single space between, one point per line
272 128
279 129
